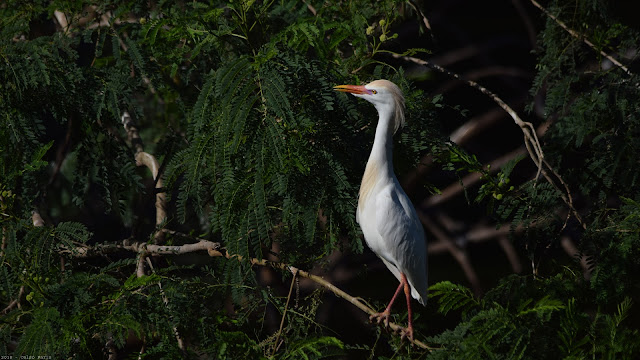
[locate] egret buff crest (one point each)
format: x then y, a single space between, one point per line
386 216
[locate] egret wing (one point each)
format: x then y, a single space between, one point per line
405 248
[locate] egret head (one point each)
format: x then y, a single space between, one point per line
385 95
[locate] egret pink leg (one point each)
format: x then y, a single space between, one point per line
407 294
384 316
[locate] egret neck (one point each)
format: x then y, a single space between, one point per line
380 163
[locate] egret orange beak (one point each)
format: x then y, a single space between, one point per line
353 89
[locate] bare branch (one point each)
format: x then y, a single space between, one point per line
140 265
531 142
83 251
334 289
15 302
425 21
511 254
311 8
150 161
580 36
457 187
458 253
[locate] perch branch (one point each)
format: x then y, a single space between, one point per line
215 250
327 285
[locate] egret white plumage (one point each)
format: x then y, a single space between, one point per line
387 217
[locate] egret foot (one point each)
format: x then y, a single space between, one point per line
381 317
407 333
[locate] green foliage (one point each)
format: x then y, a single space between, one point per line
453 297
235 99
530 324
314 348
258 153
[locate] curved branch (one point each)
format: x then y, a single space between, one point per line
322 282
149 161
579 36
531 142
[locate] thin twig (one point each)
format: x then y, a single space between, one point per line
457 187
166 303
15 302
580 36
284 312
489 71
531 139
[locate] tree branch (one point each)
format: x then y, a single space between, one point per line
458 253
150 161
284 312
580 36
215 250
531 142
425 20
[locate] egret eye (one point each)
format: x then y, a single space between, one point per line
374 92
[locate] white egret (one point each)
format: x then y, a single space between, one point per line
388 220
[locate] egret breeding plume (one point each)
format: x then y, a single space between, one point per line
388 220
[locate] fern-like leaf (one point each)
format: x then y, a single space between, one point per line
454 297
